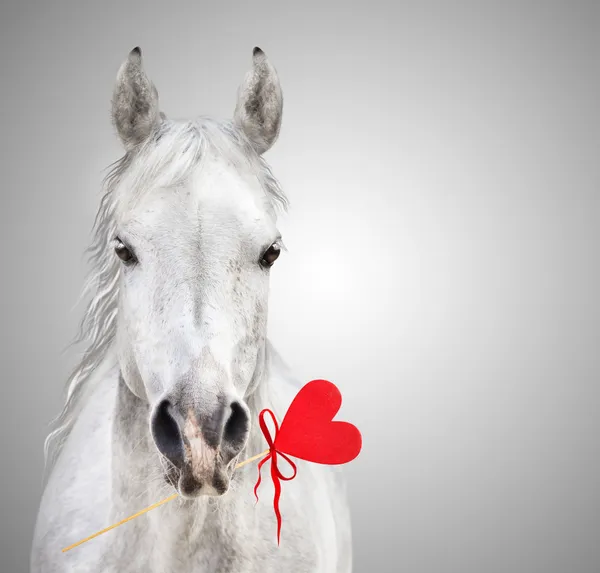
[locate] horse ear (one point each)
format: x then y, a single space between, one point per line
260 103
135 111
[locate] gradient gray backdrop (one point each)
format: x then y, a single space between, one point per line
443 166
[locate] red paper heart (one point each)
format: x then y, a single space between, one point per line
307 431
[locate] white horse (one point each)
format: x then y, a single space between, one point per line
178 365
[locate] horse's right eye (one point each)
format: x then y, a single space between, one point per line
123 252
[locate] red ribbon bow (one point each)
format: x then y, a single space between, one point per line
275 472
309 433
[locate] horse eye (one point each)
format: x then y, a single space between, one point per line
271 255
123 252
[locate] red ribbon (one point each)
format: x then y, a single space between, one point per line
276 475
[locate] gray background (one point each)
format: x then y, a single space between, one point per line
442 163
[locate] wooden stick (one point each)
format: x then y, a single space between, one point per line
153 506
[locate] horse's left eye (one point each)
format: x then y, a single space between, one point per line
271 255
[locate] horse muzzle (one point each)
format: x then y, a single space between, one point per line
200 443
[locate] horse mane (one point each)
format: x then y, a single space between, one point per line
168 157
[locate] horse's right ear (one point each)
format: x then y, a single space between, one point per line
135 109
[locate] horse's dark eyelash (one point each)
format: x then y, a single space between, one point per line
117 241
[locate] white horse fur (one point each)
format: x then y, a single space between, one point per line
178 364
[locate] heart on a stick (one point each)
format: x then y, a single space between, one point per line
307 432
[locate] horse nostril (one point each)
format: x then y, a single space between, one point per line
166 433
237 426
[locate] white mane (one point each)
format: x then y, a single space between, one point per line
167 158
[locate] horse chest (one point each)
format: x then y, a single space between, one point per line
213 544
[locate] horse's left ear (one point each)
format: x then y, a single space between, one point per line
260 103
